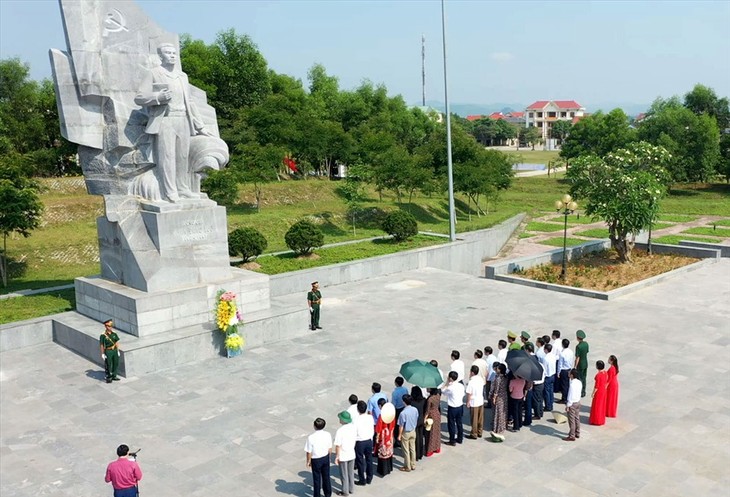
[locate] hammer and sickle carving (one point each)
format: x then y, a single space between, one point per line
114 23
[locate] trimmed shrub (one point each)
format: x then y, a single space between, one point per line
303 237
400 225
246 242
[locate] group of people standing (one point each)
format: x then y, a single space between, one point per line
373 429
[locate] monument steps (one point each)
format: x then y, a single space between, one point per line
148 354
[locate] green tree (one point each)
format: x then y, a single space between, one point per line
231 70
703 100
258 165
400 225
693 140
560 130
723 165
598 134
623 189
20 205
531 136
221 187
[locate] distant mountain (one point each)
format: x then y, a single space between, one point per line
463 110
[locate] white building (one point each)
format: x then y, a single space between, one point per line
543 113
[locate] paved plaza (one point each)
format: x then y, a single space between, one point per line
236 427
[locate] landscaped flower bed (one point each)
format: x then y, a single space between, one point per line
601 270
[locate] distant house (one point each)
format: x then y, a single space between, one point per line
543 113
474 117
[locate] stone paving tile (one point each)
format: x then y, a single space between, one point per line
236 427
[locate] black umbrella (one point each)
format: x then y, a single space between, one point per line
524 365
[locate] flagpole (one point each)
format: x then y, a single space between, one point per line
452 209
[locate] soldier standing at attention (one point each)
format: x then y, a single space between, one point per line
109 345
314 300
581 359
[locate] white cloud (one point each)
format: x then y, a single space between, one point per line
501 56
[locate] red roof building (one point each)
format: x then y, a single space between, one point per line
543 113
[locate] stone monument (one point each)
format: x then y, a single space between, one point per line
145 136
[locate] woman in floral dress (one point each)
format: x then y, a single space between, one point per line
433 412
499 393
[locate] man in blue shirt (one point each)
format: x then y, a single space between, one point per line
397 400
373 408
407 422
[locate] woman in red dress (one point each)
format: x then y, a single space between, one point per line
598 404
384 443
612 390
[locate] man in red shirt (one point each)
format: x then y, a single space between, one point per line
123 474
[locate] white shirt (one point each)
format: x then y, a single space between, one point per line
574 392
319 443
502 357
345 438
540 353
491 359
353 412
455 394
475 389
549 364
541 360
482 365
567 360
458 366
364 427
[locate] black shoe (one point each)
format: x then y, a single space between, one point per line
360 483
115 379
453 444
108 380
471 437
319 327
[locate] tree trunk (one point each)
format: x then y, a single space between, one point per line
622 244
257 190
4 261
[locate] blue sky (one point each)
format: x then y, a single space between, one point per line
597 53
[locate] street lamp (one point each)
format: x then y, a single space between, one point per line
450 169
568 206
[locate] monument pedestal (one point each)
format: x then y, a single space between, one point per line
148 313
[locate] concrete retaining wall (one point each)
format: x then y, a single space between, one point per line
462 256
724 249
26 333
503 271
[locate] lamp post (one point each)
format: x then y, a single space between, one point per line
450 169
568 206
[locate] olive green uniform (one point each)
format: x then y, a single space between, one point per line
315 299
581 352
109 344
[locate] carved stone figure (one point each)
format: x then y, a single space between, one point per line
172 119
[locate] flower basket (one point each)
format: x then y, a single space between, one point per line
227 319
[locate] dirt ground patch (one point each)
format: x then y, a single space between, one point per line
601 270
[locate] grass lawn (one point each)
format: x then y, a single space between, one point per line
594 233
676 218
527 235
721 232
674 239
527 156
20 308
558 242
65 246
721 222
284 263
548 227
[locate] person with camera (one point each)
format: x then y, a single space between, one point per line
124 473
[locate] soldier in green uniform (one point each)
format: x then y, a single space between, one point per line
109 345
581 359
525 338
513 345
314 300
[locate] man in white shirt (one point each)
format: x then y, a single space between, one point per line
457 365
365 431
490 358
318 448
566 361
572 406
538 387
557 349
502 353
345 439
454 393
353 407
480 363
475 402
549 364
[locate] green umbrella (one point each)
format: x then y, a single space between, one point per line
421 373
